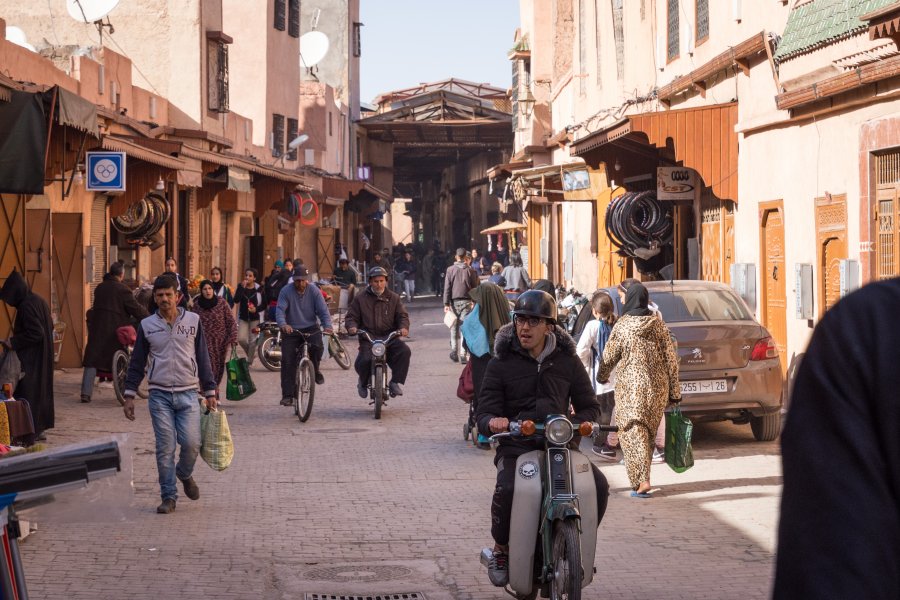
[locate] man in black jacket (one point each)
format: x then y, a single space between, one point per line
459 281
840 509
535 373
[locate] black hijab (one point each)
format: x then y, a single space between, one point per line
204 302
637 298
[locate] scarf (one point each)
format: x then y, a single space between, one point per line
637 299
218 288
204 302
493 308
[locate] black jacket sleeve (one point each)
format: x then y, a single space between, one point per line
132 307
490 397
138 365
839 533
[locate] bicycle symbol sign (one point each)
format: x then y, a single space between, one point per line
105 171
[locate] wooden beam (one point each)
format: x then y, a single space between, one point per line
744 65
700 87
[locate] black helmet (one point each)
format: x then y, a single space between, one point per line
377 272
535 303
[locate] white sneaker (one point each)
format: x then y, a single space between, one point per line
659 456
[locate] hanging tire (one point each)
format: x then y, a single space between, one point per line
566 562
119 372
339 352
306 389
767 427
378 386
264 352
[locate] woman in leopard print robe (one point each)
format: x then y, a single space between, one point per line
646 381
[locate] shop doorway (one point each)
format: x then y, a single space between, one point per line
12 249
325 252
887 206
37 244
774 300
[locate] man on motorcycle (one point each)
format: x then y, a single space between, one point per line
535 373
379 311
301 307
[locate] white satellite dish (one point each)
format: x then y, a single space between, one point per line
17 37
313 48
89 11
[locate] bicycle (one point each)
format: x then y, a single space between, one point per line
305 379
121 360
378 379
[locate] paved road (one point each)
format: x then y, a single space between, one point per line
344 504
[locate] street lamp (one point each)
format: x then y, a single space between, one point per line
526 103
293 145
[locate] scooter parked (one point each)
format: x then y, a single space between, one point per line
553 531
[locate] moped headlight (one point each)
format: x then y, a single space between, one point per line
559 430
378 350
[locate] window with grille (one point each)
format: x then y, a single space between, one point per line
277 135
280 16
357 39
217 76
582 47
291 134
887 219
619 33
702 20
515 95
673 44
294 18
597 39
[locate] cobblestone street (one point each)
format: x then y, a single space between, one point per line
344 504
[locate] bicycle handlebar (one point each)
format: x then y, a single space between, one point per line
365 333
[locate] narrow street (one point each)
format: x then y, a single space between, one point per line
344 504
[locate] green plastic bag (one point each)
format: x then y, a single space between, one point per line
679 455
216 447
239 384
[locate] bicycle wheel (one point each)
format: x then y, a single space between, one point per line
306 389
119 371
379 390
339 352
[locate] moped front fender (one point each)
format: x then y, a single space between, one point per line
559 511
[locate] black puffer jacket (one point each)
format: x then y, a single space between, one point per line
517 387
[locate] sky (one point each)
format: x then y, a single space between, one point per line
408 42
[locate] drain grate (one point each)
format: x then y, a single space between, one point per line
408 596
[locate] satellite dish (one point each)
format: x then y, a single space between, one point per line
89 11
313 48
17 37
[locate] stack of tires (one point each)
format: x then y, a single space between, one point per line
142 222
642 228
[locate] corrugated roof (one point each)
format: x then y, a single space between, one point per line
821 22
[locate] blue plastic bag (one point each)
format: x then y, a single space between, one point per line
474 334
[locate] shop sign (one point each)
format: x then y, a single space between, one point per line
675 183
105 171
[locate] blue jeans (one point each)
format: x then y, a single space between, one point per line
176 418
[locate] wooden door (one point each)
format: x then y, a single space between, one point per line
887 207
325 252
774 276
831 246
727 240
12 250
205 241
67 294
37 251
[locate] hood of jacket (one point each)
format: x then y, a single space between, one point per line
14 289
641 325
506 341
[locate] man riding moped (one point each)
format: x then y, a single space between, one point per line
379 311
535 373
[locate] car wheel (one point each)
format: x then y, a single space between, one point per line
767 427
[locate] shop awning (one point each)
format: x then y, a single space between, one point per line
338 187
76 112
143 153
703 139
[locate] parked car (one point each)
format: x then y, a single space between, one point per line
728 363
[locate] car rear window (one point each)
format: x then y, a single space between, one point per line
700 305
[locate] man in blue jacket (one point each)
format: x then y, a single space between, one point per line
171 348
301 306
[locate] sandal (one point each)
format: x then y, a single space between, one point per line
644 495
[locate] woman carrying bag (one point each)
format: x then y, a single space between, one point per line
646 381
491 312
219 327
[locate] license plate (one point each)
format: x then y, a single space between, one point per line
707 386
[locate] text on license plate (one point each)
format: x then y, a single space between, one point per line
706 386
